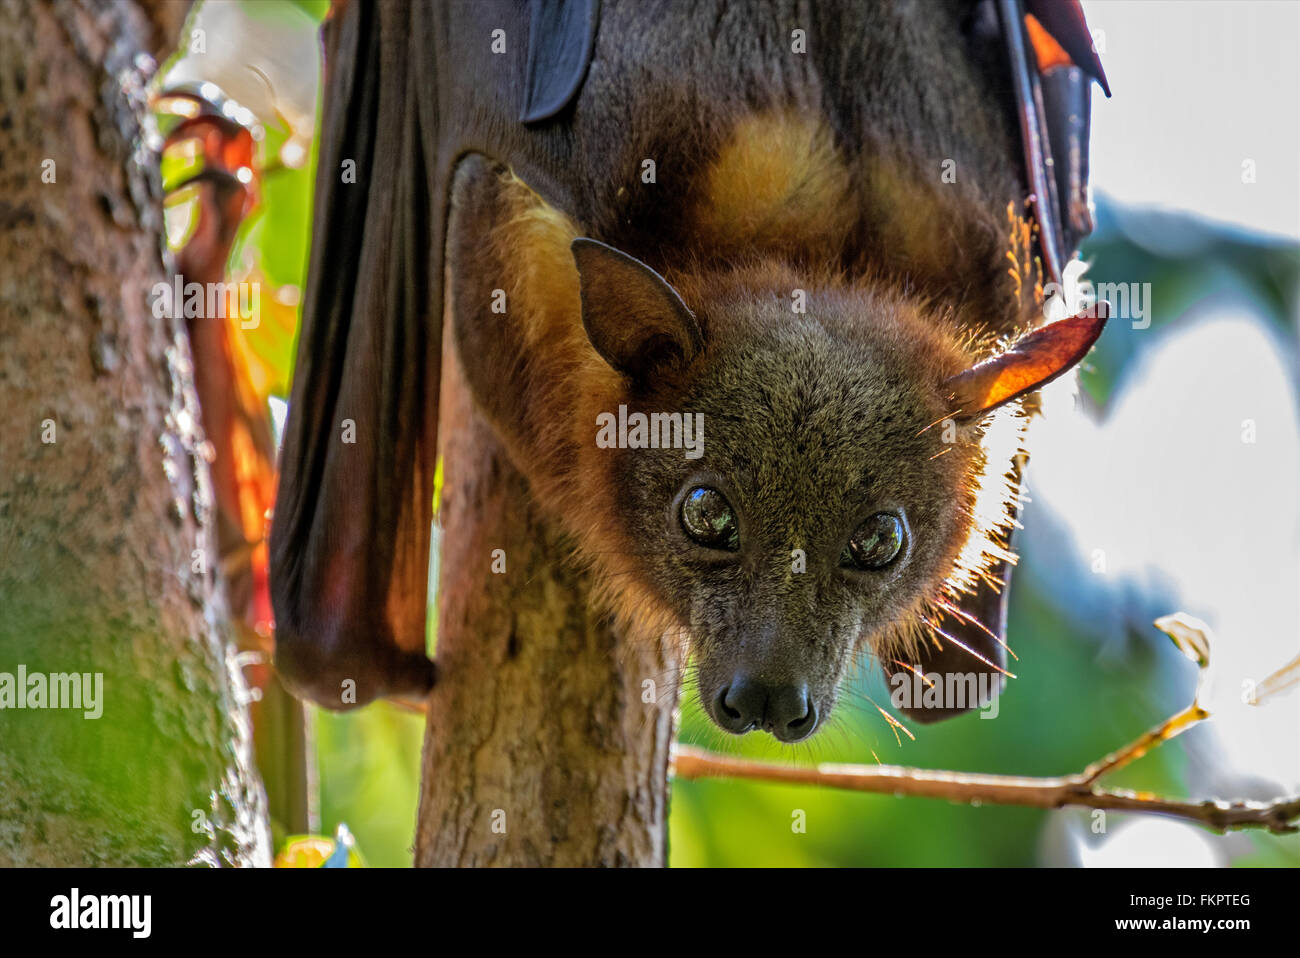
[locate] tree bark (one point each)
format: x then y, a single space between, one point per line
107 552
540 749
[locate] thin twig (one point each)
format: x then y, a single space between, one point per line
1144 743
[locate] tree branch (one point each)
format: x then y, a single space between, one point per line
1190 635
1278 816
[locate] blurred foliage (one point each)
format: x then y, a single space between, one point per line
1187 262
1075 698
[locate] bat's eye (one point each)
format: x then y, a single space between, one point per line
877 543
707 517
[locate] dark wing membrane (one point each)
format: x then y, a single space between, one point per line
1053 64
350 536
965 663
1064 20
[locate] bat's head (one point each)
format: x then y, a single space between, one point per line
800 478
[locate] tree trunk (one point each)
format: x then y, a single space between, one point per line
540 748
107 553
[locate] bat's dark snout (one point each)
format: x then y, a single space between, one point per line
785 710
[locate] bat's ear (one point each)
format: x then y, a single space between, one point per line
1034 361
633 317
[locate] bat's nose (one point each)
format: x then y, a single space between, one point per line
783 709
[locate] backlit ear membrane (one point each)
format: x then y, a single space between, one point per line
1034 361
634 319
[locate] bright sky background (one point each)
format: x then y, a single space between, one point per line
1199 87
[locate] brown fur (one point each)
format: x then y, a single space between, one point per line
778 183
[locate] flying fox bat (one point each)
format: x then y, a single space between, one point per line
786 225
